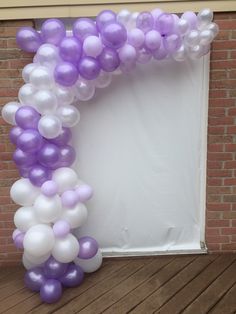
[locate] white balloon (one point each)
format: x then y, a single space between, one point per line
180 54
90 265
27 70
49 126
23 192
45 101
9 111
103 80
27 264
206 37
47 209
214 28
192 38
48 55
69 115
132 20
92 46
84 90
41 77
65 95
204 17
182 26
195 52
26 93
39 240
76 216
123 17
65 178
25 218
36 260
66 249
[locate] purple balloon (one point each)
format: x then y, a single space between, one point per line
145 21
14 133
88 247
105 17
49 188
165 24
53 31
191 18
18 240
27 117
172 42
24 159
15 233
66 74
89 68
67 156
69 199
70 49
63 138
84 27
48 155
61 228
114 35
28 39
24 171
34 279
30 141
109 59
73 277
84 193
54 269
51 291
39 174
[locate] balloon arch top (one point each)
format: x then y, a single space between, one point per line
67 68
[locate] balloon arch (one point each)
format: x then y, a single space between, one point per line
67 68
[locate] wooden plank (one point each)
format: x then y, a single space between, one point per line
10 277
162 295
191 291
213 293
115 294
93 293
227 304
140 293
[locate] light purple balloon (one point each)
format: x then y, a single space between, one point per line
14 133
51 291
15 233
69 198
191 18
70 49
67 156
18 240
128 54
30 141
144 56
53 31
153 40
127 67
160 53
89 68
73 277
156 13
88 247
63 138
39 174
109 59
27 117
165 24
54 269
114 35
28 39
24 159
136 37
84 193
48 155
24 171
49 188
105 17
84 27
34 278
172 42
61 228
66 74
145 21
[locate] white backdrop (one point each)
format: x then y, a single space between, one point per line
141 145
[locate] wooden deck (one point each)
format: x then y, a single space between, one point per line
172 284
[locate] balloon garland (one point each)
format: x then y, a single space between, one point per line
67 67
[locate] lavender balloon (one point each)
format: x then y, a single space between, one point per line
89 68
49 188
84 192
191 18
114 35
27 117
84 27
160 53
39 174
61 228
28 39
172 42
14 134
145 21
54 269
51 291
34 279
53 31
24 159
30 141
63 138
48 155
24 171
66 74
88 247
109 59
73 277
18 240
69 199
165 24
70 49
105 17
67 156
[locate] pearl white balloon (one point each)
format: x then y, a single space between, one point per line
39 240
180 54
76 216
45 101
123 17
90 265
36 260
27 264
206 37
47 209
192 38
92 46
48 55
84 90
9 111
27 70
41 77
25 218
195 52
204 17
182 26
214 28
26 93
49 126
23 192
132 20
66 249
69 115
65 95
103 80
65 178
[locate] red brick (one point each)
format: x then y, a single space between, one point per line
218 207
218 223
230 147
217 239
213 231
228 231
215 147
230 181
228 247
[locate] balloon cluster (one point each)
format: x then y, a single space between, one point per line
67 68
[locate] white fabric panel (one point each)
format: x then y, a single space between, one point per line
141 147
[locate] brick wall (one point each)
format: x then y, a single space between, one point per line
221 173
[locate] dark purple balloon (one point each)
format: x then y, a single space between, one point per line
63 138
30 141
28 39
67 156
70 49
109 59
89 68
54 269
114 35
14 133
84 27
39 174
34 278
73 277
24 159
105 17
88 247
53 31
66 74
27 117
51 291
48 155
24 171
